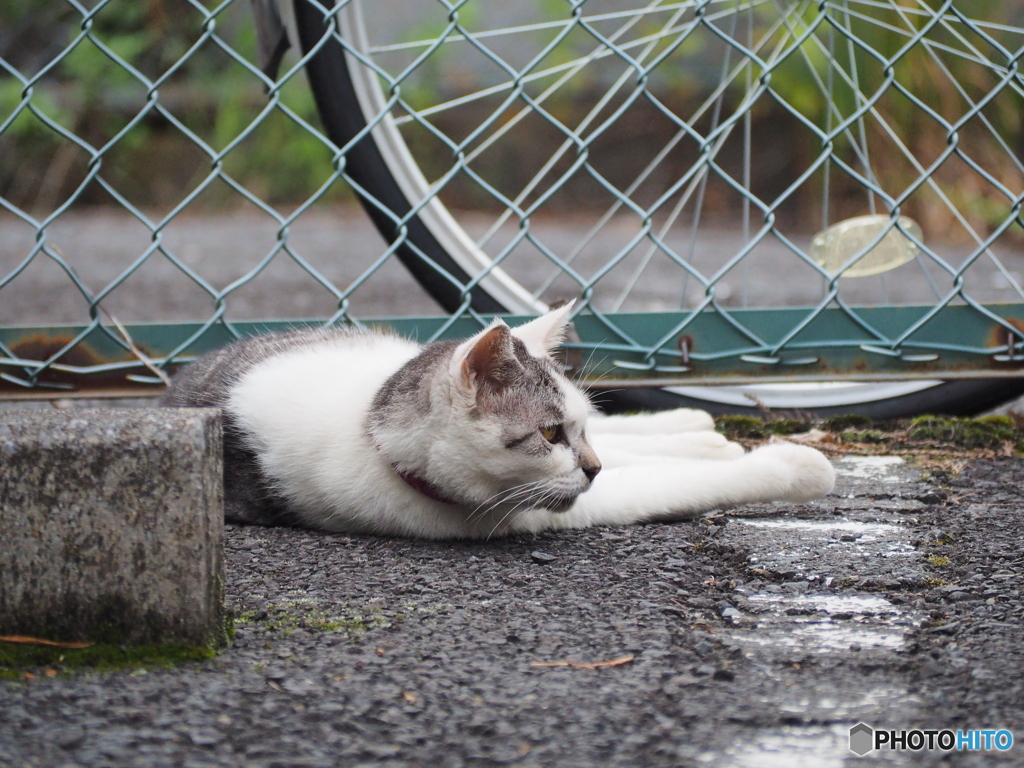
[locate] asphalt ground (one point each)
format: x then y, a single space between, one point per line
756 637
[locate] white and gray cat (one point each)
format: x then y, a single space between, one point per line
350 431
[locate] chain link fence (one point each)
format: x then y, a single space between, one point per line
731 189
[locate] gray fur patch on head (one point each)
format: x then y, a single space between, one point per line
530 395
405 396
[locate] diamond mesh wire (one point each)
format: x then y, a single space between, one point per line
675 166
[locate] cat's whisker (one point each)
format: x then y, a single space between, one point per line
577 377
518 509
525 504
505 495
501 497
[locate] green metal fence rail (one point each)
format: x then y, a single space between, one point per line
646 125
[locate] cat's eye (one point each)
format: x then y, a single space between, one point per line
551 433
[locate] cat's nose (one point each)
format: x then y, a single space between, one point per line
589 462
591 470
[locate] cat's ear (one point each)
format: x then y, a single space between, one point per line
544 334
486 359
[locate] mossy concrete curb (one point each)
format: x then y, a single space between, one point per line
111 525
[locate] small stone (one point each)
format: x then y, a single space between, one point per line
542 558
799 610
673 686
71 740
726 675
205 737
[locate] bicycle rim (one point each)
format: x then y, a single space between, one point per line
436 245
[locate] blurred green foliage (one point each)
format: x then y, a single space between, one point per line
89 90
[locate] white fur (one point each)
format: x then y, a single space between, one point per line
543 334
306 411
662 422
617 449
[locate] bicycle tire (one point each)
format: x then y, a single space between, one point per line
426 249
944 398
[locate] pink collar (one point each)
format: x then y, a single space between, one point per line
425 487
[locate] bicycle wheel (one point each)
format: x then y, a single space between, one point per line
393 130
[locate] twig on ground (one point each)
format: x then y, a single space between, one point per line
585 664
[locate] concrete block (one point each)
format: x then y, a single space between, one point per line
111 525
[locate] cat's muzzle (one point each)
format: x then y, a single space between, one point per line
560 503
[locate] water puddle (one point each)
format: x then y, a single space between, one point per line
864 531
858 604
794 618
791 747
820 623
857 539
869 467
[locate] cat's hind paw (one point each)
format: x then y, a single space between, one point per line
706 444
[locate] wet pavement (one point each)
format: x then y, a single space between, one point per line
755 637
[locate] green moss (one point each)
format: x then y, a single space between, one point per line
931 429
938 560
16 659
755 428
846 422
787 426
288 616
863 436
741 426
227 628
984 432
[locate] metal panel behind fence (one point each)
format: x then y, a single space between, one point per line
732 189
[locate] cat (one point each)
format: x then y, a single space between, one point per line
345 430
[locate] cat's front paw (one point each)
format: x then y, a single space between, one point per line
803 473
707 444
